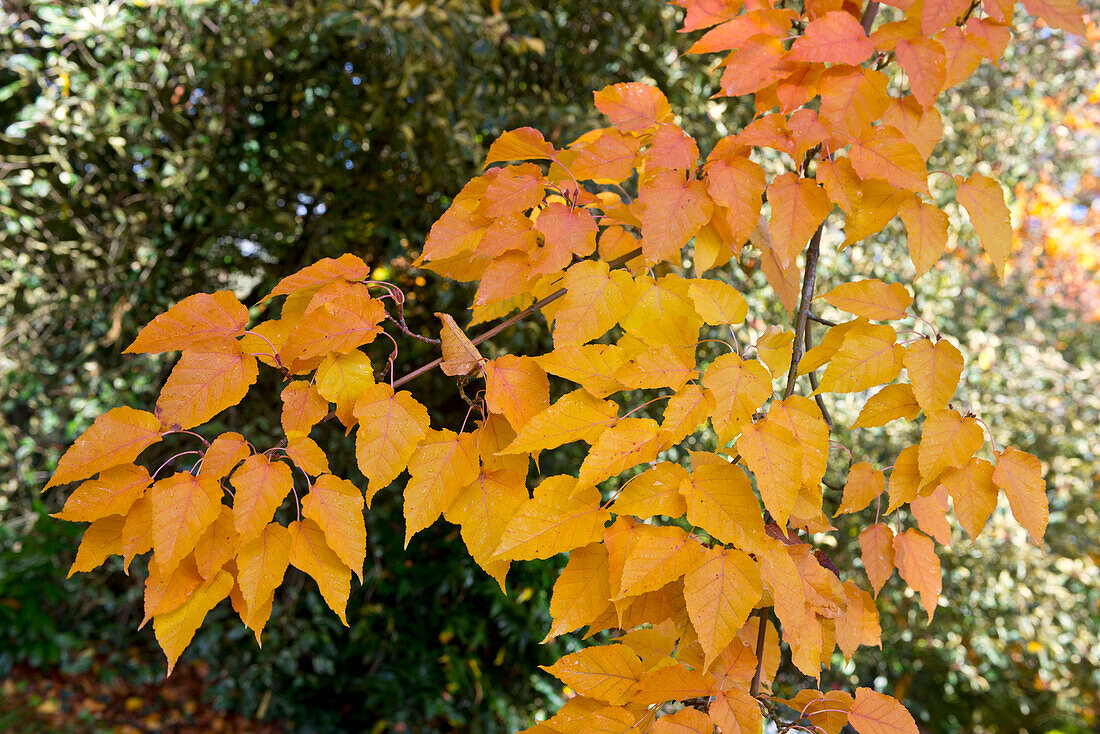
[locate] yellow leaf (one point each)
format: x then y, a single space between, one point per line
985 203
684 721
684 411
802 417
116 437
656 491
103 538
303 407
720 593
660 366
673 682
829 346
934 369
390 427
658 556
720 500
460 356
948 440
864 484
876 544
207 380
167 591
217 545
973 493
775 348
739 388
877 713
1020 475
575 416
203 317
223 455
905 479
439 468
718 303
516 387
310 554
662 313
483 509
582 590
261 486
261 565
596 297
593 366
871 298
336 505
608 672
889 403
112 493
867 357
736 712
307 455
342 379
926 229
919 566
553 521
877 206
183 507
175 629
630 442
775 458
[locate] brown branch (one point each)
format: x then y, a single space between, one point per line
761 635
813 380
808 281
534 307
869 14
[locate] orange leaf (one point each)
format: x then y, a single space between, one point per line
594 301
758 64
116 437
223 455
803 419
630 442
736 712
566 231
684 721
923 127
720 501
877 546
310 554
858 625
889 403
608 157
593 366
938 14
347 267
673 682
671 149
720 594
985 203
918 564
261 485
522 144
633 107
877 713
864 484
575 416
662 312
705 13
207 380
775 458
183 507
1020 475
1063 14
973 494
661 366
799 205
871 298
339 325
261 565
175 629
217 545
851 99
718 303
905 479
882 152
657 556
336 505
675 209
553 521
460 356
390 427
439 468
926 227
739 387
608 672
785 280
483 509
835 38
200 318
514 189
947 440
582 590
112 493
656 491
877 205
924 61
737 31
303 407
516 387
103 538
304 452
934 369
775 347
736 184
167 591
930 512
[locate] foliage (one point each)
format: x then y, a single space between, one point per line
701 647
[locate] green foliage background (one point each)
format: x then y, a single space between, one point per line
150 150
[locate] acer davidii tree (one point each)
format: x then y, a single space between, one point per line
694 523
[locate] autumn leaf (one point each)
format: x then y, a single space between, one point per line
629 442
739 387
460 356
313 277
592 366
883 152
342 379
985 203
581 592
633 107
167 590
799 206
112 493
439 468
720 593
851 99
876 544
102 539
183 507
516 387
802 417
736 712
859 624
673 682
553 521
261 565
926 227
114 438
918 564
1020 475
217 545
608 672
684 411
175 629
514 189
720 500
736 184
574 416
973 493
775 459
605 156
905 479
307 455
336 326
656 557
656 491
336 505
877 713
930 512
675 209
947 440
717 303
871 298
888 404
521 144
836 38
868 356
206 381
595 299
390 427
310 554
934 369
203 317
864 484
223 455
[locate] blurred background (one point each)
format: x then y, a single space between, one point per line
150 150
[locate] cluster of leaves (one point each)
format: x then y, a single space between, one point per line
676 558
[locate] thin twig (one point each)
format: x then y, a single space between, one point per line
761 635
808 282
818 398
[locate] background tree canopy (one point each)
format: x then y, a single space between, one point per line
151 150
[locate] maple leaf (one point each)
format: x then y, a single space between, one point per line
876 543
925 63
574 416
112 493
915 556
775 458
336 505
439 468
261 565
717 303
307 455
606 156
973 493
175 629
985 203
1020 475
102 539
223 455
799 206
310 554
516 387
675 209
390 427
339 325
719 594
556 520
183 507
877 713
203 317
633 107
864 484
883 152
114 438
521 144
871 298
582 590
673 682
609 672
720 500
260 485
934 369
836 38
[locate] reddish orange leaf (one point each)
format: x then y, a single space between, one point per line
889 403
439 468
675 209
877 546
785 280
736 32
918 564
851 99
835 38
567 232
390 427
736 184
925 64
671 149
985 203
207 380
799 205
514 189
934 369
112 493
261 485
339 325
554 521
938 14
1063 14
633 107
871 298
606 156
760 63
705 13
877 713
310 554
1020 475
114 438
183 507
200 318
336 505
522 144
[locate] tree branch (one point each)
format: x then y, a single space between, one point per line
869 14
808 280
761 636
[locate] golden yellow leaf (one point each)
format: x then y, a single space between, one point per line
483 509
889 403
223 455
307 455
720 593
582 590
553 521
775 348
661 312
114 438
657 556
934 369
260 485
827 711
739 387
208 379
824 350
775 459
868 356
592 366
516 387
930 512
390 427
1020 475
261 565
877 713
165 591
175 629
656 491
926 229
871 298
203 317
112 493
720 500
876 543
336 505
948 440
608 672
718 303
684 411
310 554
576 416
672 682
103 538
342 379
183 507
596 297
802 417
984 201
684 721
864 484
630 442
303 407
736 712
217 545
439 468
919 566
905 478
973 493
